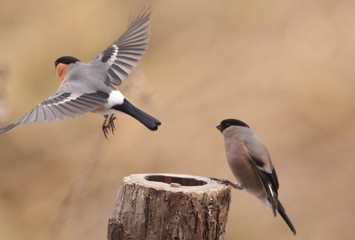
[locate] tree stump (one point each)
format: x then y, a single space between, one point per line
170 206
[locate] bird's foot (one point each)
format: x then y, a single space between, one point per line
227 182
109 125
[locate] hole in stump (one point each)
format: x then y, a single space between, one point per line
180 180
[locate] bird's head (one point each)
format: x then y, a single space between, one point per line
61 66
231 122
66 60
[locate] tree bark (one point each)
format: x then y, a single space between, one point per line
170 206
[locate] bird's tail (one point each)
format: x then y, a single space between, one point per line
282 212
147 120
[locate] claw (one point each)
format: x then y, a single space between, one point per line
109 124
227 182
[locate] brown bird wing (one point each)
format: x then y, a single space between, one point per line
269 181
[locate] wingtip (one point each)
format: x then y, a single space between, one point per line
8 128
143 13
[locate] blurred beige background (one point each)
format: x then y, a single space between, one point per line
284 67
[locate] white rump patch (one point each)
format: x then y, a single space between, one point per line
115 98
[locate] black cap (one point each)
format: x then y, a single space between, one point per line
66 60
231 122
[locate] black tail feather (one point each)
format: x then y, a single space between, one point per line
282 212
147 120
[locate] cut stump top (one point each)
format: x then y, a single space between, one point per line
175 182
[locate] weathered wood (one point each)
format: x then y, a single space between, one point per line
115 231
170 206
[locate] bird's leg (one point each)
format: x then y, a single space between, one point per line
105 127
109 124
227 182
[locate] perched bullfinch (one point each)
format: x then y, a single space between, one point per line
251 165
90 87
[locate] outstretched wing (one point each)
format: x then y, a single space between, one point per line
125 52
60 106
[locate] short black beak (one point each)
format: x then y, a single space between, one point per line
219 127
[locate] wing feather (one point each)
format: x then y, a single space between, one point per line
123 54
60 106
266 180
